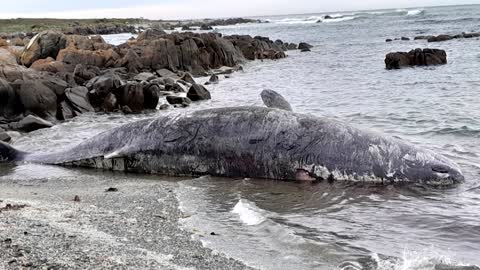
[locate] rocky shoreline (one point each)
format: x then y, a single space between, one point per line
57 77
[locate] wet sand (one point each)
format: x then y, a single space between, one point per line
68 224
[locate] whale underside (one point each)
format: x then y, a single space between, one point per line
253 142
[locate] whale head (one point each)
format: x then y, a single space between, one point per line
432 169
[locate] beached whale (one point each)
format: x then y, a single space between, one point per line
252 142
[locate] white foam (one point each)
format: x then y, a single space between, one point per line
422 260
249 213
415 12
117 39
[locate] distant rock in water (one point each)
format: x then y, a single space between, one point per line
304 45
417 57
440 38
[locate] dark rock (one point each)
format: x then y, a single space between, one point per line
151 95
4 137
56 84
198 92
388 40
292 46
440 38
78 98
188 78
304 45
405 38
213 79
186 28
30 123
9 102
101 86
417 57
112 189
422 37
84 74
65 111
131 95
36 98
151 34
110 103
206 27
165 73
131 61
164 107
305 50
178 88
45 44
176 100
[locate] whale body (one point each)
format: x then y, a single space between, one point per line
252 142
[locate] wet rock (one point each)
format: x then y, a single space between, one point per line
164 107
176 100
206 27
305 50
131 95
178 88
198 92
45 44
101 86
440 38
417 57
30 123
110 103
151 95
292 46
422 37
405 38
65 111
304 45
213 79
188 78
78 98
36 98
388 40
4 137
112 189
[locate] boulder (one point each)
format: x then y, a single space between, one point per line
388 40
151 34
187 77
176 100
198 92
144 76
165 73
440 38
131 61
213 79
206 27
304 45
131 95
43 45
49 65
104 84
7 57
99 58
305 50
4 137
65 111
9 102
78 98
30 123
110 103
417 57
37 98
84 74
405 38
17 42
56 84
292 46
151 94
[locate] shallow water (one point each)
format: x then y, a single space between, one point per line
277 225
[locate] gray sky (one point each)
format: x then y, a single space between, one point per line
182 9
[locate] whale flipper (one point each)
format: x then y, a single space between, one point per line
272 99
8 153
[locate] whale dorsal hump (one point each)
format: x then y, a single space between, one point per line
272 99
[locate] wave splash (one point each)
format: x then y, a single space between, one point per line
249 213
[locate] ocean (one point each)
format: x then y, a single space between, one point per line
281 225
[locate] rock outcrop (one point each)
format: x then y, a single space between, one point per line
417 57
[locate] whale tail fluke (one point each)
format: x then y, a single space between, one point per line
9 154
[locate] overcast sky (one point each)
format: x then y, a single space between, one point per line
183 9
